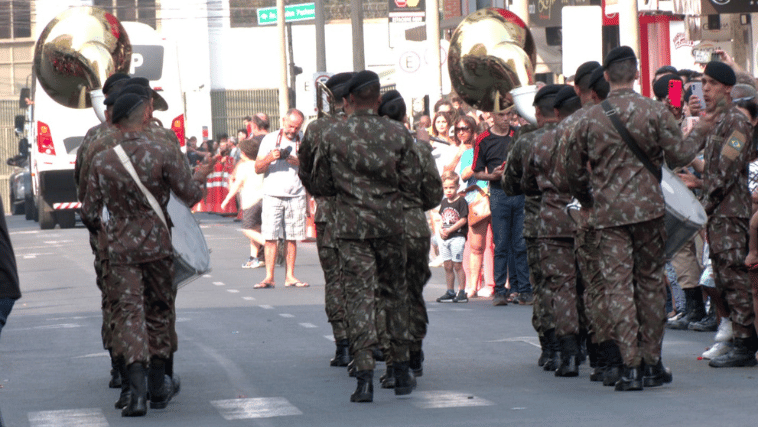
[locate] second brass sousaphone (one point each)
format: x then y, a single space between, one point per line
491 62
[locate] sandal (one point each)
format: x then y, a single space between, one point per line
264 285
513 296
296 285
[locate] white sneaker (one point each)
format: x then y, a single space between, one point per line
437 262
724 332
717 350
485 292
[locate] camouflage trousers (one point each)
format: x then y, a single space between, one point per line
334 291
101 266
729 271
144 315
559 278
632 262
542 312
373 271
597 302
417 273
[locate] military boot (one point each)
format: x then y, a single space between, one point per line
137 405
569 366
342 354
365 390
694 309
160 385
115 381
388 379
545 355
405 382
555 351
614 362
417 363
126 392
597 362
741 355
656 375
631 379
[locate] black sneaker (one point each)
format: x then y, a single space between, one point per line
461 297
448 297
526 298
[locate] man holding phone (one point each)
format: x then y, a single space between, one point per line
490 156
283 197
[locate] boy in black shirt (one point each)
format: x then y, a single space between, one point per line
454 213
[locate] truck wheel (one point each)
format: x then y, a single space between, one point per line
67 218
46 216
29 208
18 208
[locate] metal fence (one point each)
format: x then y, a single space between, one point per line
8 146
229 108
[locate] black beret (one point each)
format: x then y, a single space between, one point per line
566 93
392 106
547 91
661 86
596 76
337 84
666 69
129 88
159 103
110 81
584 70
361 80
720 72
617 54
124 106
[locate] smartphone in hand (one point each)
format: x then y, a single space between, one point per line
697 90
675 93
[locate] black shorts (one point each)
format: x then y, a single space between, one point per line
251 217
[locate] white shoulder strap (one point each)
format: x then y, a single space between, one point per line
130 168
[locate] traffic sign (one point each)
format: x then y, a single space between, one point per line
292 13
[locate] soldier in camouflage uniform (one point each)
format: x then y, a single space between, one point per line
542 313
334 292
425 196
726 135
139 278
81 167
626 208
591 88
556 232
366 163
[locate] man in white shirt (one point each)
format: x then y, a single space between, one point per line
284 201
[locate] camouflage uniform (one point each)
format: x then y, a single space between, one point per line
556 232
139 278
97 139
542 313
366 162
626 210
726 198
326 244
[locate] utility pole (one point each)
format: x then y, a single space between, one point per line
293 73
320 36
629 26
433 37
283 88
356 19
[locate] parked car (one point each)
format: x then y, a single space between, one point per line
20 181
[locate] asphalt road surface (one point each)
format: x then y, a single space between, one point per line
261 357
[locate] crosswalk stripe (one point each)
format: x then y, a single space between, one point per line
263 407
287 315
92 417
446 399
308 325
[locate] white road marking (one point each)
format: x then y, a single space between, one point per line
24 232
87 356
461 309
264 407
308 325
207 276
233 291
30 256
535 341
218 283
68 418
58 326
248 298
287 315
266 307
329 337
447 399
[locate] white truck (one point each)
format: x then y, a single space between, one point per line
55 132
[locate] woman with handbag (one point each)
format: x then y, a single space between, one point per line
479 241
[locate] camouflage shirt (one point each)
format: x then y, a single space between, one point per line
727 152
135 233
554 221
514 172
606 175
365 162
426 194
91 145
306 154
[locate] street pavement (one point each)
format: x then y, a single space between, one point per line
252 357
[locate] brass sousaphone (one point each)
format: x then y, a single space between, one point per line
76 52
491 62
